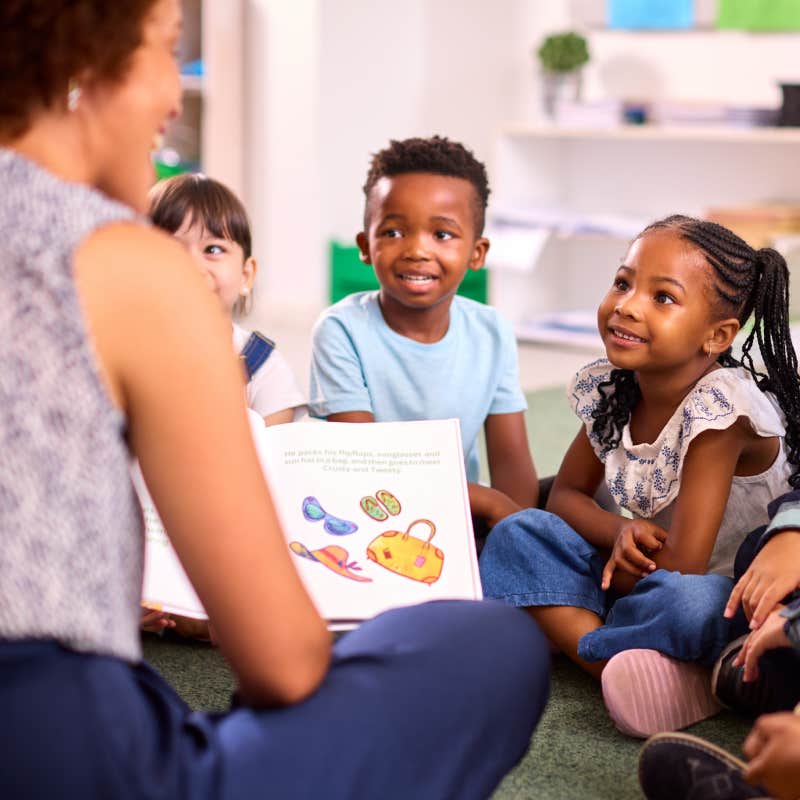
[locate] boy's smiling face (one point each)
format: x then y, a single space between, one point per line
421 239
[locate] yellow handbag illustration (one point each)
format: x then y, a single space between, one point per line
407 555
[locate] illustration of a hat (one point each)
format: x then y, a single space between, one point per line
333 557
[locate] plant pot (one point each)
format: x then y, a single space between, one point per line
557 87
790 109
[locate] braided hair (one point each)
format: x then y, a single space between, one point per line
746 282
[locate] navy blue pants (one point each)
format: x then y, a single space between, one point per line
435 701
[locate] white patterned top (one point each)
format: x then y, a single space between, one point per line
645 478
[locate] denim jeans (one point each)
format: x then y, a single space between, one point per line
534 558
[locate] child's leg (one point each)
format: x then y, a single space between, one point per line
534 560
678 615
434 701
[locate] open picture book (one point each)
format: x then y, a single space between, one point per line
376 515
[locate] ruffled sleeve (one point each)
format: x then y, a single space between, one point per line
645 478
583 396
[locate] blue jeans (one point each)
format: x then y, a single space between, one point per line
534 558
430 702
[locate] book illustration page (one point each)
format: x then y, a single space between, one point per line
407 555
335 558
314 512
391 496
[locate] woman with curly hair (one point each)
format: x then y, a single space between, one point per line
100 317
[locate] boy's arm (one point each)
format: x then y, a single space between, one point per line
510 463
351 416
338 390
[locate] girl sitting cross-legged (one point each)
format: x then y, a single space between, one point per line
693 443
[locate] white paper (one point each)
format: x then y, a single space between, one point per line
420 464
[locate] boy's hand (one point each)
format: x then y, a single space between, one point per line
155 621
773 747
769 636
774 573
490 504
635 540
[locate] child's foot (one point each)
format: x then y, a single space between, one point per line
647 692
677 766
766 694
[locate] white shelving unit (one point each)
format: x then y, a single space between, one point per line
639 173
210 131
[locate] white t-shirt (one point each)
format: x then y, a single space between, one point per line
273 388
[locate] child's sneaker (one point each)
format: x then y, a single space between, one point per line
766 694
647 692
677 766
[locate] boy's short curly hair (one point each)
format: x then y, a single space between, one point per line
436 155
46 43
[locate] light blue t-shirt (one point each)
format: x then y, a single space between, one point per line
358 363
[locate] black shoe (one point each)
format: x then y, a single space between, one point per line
677 766
775 689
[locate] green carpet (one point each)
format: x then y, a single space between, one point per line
575 753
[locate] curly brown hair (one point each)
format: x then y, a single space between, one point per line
436 155
46 43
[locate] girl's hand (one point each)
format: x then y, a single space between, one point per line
635 540
155 621
773 747
774 573
769 636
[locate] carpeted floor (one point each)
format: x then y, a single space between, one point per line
575 753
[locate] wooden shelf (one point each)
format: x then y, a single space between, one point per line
694 133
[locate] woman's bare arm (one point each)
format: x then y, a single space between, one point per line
164 352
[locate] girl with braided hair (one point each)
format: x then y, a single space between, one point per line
692 443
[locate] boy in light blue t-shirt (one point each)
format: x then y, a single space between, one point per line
413 349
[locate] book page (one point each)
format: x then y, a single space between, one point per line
166 586
376 514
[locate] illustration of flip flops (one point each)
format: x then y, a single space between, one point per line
333 557
381 505
407 555
314 512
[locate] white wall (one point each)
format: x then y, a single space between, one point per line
331 81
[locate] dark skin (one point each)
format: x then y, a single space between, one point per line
659 321
421 237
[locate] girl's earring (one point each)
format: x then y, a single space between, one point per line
708 350
244 291
73 95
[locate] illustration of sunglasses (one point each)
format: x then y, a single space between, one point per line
314 512
378 506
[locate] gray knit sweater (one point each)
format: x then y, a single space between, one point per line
71 539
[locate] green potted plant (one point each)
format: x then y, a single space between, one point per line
561 56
